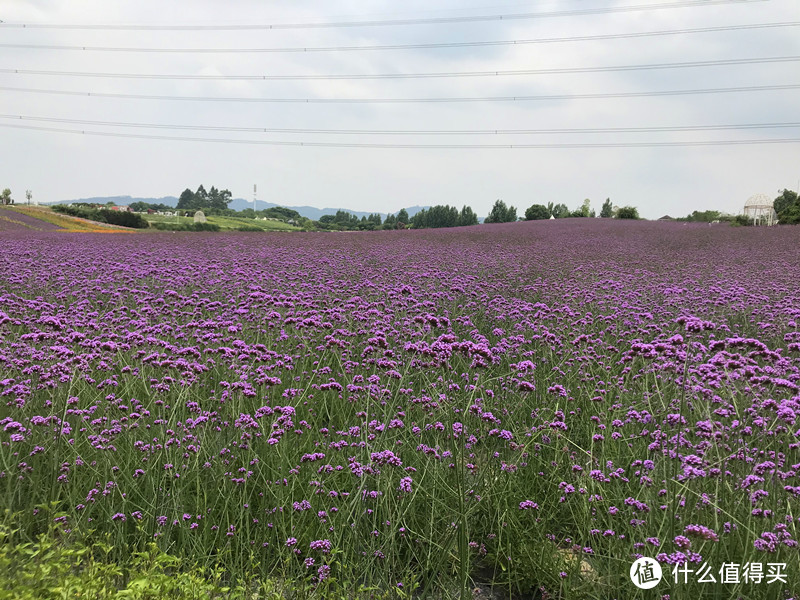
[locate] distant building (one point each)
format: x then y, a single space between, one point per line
666 218
121 208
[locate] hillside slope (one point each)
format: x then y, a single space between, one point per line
21 219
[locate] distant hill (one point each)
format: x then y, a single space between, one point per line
309 212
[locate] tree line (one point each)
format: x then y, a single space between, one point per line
213 199
347 221
434 217
501 213
215 202
444 216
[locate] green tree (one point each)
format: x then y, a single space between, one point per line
608 210
706 216
444 216
201 197
787 205
280 212
560 211
5 197
402 217
187 200
628 212
537 212
583 210
501 213
218 199
498 213
139 206
435 217
467 217
784 201
791 215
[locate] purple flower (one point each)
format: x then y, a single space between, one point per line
702 532
323 546
682 541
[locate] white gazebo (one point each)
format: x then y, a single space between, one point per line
760 209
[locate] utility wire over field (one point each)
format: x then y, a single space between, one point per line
553 71
382 23
597 95
741 126
418 146
419 46
576 74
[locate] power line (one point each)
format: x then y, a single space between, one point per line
382 23
670 129
449 74
417 146
599 95
422 46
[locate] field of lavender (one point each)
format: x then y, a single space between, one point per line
523 408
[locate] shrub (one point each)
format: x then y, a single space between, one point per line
185 226
537 212
51 567
124 219
203 227
628 212
741 221
104 215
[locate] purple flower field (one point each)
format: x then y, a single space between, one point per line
532 406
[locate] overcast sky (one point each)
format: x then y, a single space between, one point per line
662 180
